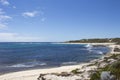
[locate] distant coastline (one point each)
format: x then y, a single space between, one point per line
89 43
96 40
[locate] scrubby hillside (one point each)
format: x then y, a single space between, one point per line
97 40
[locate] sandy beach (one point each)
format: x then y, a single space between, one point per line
34 74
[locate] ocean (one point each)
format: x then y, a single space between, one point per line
16 56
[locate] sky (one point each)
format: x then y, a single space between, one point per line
58 20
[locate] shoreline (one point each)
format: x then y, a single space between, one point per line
48 67
33 74
26 75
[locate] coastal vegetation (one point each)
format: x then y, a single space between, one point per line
107 67
111 68
114 70
97 40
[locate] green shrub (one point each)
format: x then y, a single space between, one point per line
95 76
75 71
115 69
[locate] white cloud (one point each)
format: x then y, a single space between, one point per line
29 14
4 2
3 16
7 35
3 19
2 26
14 37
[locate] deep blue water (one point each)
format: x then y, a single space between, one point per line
28 55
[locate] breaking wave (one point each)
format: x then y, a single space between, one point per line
88 46
68 63
29 64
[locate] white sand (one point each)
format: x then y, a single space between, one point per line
34 74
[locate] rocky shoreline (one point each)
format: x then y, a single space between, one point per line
88 71
83 73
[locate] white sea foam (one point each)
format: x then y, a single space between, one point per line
90 50
99 52
30 64
67 63
88 46
21 65
96 51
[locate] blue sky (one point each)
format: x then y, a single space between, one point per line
58 20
